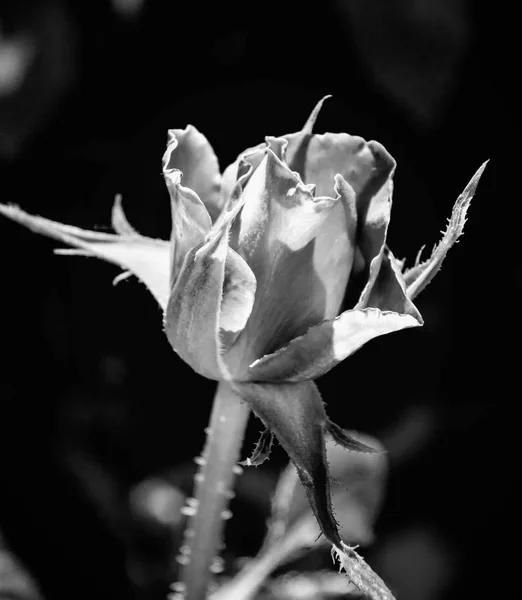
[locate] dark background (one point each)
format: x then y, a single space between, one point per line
92 400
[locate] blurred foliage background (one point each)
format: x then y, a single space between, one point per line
99 420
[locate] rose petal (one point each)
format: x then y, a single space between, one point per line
327 344
294 413
190 152
374 210
334 250
239 288
210 301
192 316
146 258
278 224
318 158
190 219
232 173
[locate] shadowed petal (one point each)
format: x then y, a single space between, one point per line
233 172
146 258
327 344
374 210
388 292
190 152
239 288
278 224
294 413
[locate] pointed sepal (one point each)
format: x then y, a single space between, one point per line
148 259
421 274
295 414
309 125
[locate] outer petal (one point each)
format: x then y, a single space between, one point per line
327 344
294 413
278 225
147 259
192 316
191 153
211 300
190 219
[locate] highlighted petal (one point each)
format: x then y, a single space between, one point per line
279 222
190 152
294 413
146 258
327 344
210 301
319 157
192 316
335 248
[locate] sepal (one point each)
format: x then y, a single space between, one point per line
421 274
146 258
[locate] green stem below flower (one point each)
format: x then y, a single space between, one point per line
213 484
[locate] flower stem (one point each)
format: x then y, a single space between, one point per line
213 484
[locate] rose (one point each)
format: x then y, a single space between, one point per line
258 264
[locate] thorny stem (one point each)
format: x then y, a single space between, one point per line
213 484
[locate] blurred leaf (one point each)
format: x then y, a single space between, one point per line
15 581
321 585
